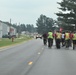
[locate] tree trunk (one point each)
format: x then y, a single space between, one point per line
75 27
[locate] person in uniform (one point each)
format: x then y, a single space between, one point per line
44 38
58 39
63 39
67 39
50 39
74 40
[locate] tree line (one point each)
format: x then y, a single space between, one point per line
43 25
22 27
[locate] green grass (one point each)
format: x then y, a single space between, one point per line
6 41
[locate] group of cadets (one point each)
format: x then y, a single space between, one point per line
64 39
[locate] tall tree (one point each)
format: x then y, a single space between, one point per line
44 24
23 27
30 28
67 14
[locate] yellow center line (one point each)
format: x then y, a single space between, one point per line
38 52
30 63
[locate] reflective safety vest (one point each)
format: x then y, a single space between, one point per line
74 38
50 35
58 35
67 36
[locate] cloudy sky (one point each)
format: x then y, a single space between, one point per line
27 11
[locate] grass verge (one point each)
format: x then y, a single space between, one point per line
7 42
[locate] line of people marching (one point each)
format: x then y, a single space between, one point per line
66 38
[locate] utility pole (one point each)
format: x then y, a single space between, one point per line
10 20
9 33
19 30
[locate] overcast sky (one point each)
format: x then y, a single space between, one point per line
27 11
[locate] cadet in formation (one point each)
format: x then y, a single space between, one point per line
50 39
58 39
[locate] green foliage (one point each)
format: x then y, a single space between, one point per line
7 42
44 24
23 27
5 36
69 17
30 28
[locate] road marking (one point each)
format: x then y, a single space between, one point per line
30 63
1 50
4 48
42 48
38 52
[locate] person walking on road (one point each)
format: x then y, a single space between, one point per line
44 38
70 44
74 40
58 39
67 39
50 39
63 38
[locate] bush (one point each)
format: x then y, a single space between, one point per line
5 36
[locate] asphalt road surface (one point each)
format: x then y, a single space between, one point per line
33 58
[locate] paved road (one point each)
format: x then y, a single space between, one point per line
33 58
